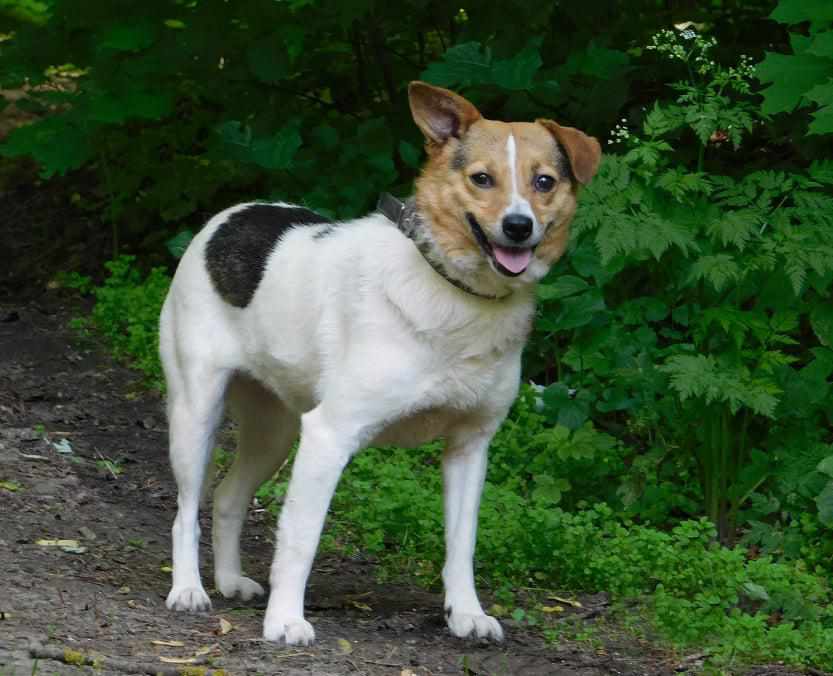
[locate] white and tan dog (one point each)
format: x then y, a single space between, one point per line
360 333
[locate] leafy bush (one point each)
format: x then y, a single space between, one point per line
683 350
126 313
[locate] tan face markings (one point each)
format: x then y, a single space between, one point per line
447 193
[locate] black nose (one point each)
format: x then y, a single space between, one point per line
517 227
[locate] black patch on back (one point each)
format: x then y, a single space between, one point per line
237 252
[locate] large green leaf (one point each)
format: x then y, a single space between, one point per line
792 76
518 72
471 64
564 407
821 319
562 287
56 143
127 37
824 502
822 45
278 151
466 63
797 11
823 118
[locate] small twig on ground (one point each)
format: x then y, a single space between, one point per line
383 664
78 658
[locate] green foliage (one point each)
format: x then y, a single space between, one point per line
126 313
805 77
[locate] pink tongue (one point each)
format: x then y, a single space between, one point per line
514 260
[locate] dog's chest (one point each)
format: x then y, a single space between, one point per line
472 390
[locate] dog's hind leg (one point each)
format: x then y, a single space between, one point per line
195 405
267 429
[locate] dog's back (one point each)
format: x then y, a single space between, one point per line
276 291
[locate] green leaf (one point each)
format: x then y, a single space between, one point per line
518 72
822 118
178 244
755 592
278 151
117 107
792 76
797 11
821 319
580 310
124 37
566 410
465 63
822 45
824 502
562 287
54 142
826 466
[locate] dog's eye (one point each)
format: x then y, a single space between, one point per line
482 180
544 183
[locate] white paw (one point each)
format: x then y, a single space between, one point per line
188 598
294 630
480 625
237 585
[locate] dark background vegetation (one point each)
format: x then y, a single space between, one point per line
674 446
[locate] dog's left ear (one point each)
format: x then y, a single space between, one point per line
583 151
439 113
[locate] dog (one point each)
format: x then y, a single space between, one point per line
362 333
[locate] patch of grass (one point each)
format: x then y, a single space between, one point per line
112 467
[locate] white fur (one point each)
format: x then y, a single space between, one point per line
354 340
518 204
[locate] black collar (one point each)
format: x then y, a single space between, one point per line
406 217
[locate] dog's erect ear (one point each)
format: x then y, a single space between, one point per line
583 151
440 113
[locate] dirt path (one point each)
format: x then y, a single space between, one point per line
106 595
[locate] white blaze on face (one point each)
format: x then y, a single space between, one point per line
517 203
511 259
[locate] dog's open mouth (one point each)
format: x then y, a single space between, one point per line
510 261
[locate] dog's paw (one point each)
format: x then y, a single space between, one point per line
193 599
479 625
238 585
293 630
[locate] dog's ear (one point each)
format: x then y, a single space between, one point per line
439 113
583 151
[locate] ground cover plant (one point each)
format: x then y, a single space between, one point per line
673 444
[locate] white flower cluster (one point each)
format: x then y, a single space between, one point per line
620 133
744 69
685 45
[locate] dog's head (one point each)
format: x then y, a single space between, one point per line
500 196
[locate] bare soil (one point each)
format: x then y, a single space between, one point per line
66 412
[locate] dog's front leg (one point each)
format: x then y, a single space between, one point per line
464 471
324 451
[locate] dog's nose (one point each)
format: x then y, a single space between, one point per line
517 227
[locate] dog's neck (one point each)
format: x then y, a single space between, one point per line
410 222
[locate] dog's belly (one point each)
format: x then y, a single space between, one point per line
418 429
